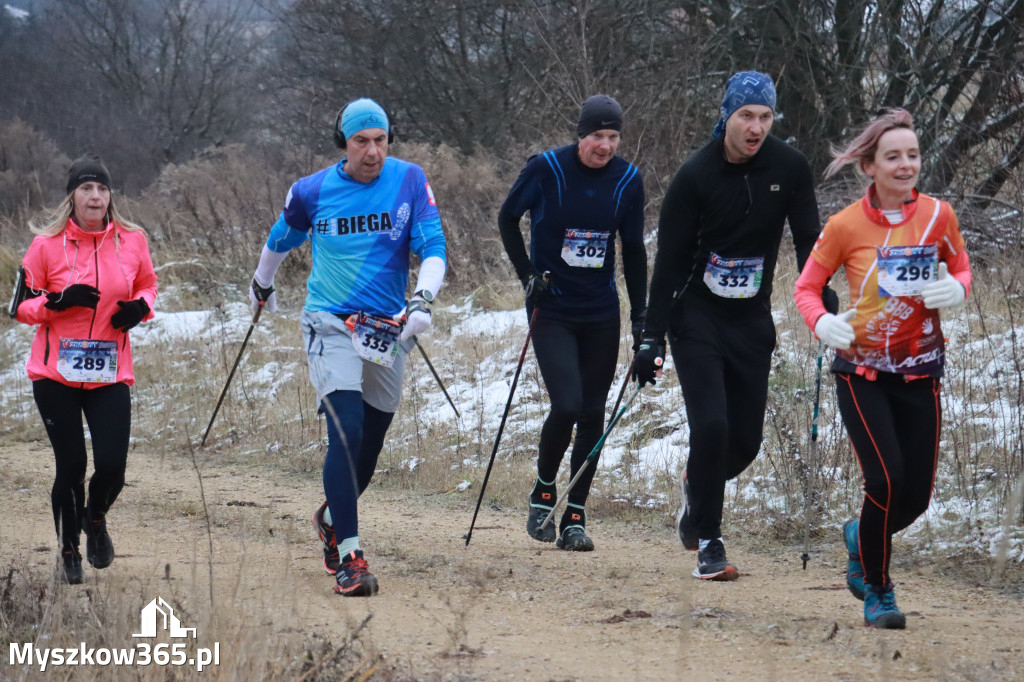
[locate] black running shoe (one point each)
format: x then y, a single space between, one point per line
574 539
684 520
72 566
712 564
536 516
354 578
332 562
99 549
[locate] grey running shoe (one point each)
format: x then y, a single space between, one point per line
684 520
574 539
712 564
538 513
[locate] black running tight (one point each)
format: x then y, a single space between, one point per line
723 359
577 361
894 428
108 412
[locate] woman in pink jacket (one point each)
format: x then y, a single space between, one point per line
87 279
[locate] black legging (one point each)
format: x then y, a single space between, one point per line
577 361
894 428
108 412
723 362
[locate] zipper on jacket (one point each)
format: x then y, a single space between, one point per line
96 275
750 194
46 353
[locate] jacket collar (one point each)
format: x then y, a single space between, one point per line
73 231
870 205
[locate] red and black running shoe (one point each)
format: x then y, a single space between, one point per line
332 562
354 577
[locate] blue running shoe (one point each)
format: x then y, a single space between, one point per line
854 568
880 610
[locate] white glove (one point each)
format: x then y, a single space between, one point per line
835 330
259 292
417 318
944 292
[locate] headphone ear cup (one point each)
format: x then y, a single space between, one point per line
391 126
339 137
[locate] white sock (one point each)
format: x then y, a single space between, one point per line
348 545
704 543
327 517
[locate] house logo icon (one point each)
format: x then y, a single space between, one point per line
159 613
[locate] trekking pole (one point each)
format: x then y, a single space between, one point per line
813 460
434 372
501 427
593 454
231 374
622 391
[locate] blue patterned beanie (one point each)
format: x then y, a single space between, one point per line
745 87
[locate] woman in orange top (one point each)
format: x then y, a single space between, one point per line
904 259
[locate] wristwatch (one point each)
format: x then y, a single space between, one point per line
425 295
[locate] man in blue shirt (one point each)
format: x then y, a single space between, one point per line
363 216
580 197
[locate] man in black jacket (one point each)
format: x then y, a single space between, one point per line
719 234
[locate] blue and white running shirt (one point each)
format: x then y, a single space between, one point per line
362 234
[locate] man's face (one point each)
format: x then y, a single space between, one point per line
366 152
598 148
745 132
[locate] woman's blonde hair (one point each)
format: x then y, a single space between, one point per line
862 148
57 220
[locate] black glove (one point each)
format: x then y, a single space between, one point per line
130 314
830 299
262 294
84 295
537 288
649 359
637 328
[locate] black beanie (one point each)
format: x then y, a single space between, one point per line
599 112
87 168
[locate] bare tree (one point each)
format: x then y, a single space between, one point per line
142 82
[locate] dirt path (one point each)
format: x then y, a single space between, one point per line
508 607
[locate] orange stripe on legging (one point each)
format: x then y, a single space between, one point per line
888 482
